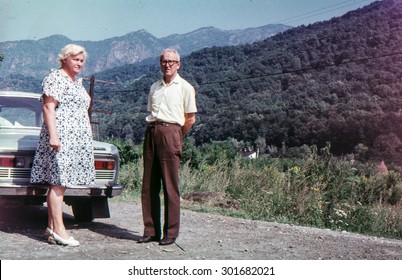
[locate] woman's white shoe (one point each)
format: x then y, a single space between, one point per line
49 237
66 242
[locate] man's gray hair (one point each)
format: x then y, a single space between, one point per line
171 51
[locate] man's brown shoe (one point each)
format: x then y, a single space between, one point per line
147 239
167 241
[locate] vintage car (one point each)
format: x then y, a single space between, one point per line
20 124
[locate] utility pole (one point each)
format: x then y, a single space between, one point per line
94 121
91 94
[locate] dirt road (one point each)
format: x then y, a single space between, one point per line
203 237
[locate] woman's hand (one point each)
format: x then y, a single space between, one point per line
54 143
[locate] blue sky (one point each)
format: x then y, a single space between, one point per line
96 20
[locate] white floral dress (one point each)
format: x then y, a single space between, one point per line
73 164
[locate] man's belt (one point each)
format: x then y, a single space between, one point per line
162 123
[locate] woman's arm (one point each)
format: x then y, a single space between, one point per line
49 116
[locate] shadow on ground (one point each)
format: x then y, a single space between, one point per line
31 221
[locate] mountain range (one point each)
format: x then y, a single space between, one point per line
336 81
34 58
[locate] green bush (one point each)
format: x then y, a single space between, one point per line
131 178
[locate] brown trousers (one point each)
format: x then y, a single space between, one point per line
161 153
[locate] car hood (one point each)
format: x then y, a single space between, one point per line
27 140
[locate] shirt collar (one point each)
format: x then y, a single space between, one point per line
176 80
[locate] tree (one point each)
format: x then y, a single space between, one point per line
260 144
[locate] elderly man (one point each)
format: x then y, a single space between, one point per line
172 104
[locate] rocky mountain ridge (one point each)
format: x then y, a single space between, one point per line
35 58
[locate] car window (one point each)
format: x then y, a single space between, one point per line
20 111
17 117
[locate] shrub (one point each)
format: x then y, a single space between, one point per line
131 178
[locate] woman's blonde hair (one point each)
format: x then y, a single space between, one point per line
71 49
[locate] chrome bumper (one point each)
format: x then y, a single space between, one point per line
41 190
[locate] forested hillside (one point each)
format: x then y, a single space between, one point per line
337 81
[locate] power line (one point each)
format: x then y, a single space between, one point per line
320 11
287 20
303 69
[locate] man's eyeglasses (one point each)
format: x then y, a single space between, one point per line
170 62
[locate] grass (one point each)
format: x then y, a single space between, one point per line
319 190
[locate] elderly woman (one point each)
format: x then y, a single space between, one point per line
64 156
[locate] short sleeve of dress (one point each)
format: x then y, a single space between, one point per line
53 85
